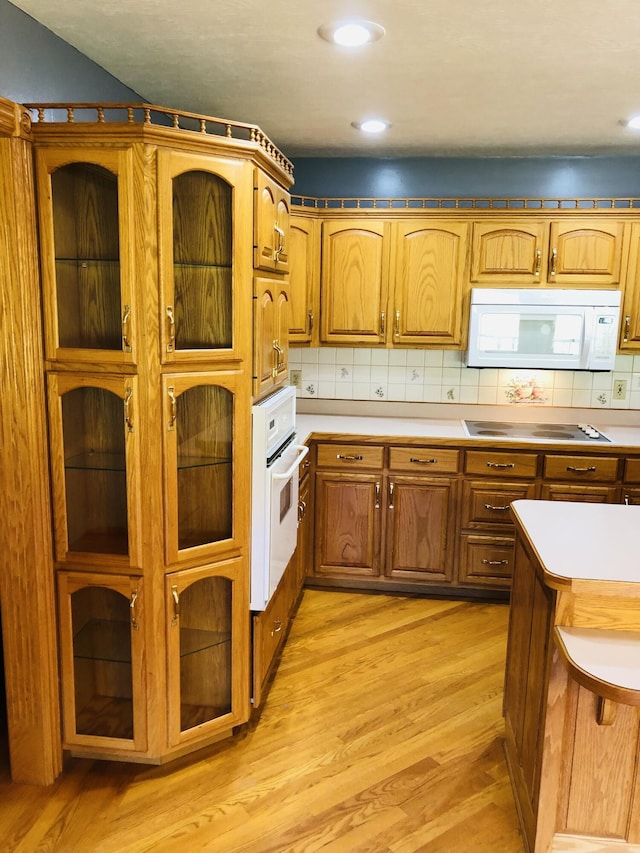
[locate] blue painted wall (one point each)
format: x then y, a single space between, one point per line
36 65
478 177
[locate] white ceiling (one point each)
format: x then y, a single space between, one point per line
455 77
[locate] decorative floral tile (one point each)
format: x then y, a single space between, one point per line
525 391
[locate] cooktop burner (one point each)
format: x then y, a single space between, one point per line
543 432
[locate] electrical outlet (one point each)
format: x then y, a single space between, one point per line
619 389
295 378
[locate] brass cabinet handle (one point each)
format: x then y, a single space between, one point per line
391 491
554 261
132 609
176 605
382 319
171 392
496 508
422 461
495 562
302 510
627 328
377 503
277 627
501 465
128 394
397 327
280 246
536 270
349 458
126 331
310 321
279 363
171 340
575 470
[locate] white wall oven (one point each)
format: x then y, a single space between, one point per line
274 501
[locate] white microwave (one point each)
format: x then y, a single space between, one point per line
544 328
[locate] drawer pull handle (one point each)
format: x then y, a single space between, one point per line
422 461
277 627
575 470
501 464
349 458
497 508
495 562
392 487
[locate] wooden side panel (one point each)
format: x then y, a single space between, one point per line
26 579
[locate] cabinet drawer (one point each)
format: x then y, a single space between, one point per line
350 456
486 561
501 464
425 460
564 467
583 494
632 471
490 503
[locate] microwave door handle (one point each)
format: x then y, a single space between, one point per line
303 452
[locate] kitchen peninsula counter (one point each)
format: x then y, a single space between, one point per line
572 684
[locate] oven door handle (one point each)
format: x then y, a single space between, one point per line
304 450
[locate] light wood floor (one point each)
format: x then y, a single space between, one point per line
381 733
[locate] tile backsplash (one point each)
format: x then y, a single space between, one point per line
440 376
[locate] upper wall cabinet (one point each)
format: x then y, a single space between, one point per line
354 281
429 281
87 255
630 337
270 224
304 275
526 252
201 215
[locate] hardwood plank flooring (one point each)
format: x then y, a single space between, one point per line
381 734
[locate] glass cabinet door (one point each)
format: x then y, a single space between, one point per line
103 686
200 256
205 414
207 624
94 473
86 256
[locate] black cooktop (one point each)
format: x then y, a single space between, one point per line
533 431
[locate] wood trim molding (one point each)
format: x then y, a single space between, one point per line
15 120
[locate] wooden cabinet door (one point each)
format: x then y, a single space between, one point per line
509 252
101 623
270 224
586 252
348 524
207 617
420 528
304 279
630 333
282 308
354 281
270 333
428 285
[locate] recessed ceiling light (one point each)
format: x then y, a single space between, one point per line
372 125
351 33
634 123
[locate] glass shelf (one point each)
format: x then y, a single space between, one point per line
96 461
193 640
104 639
205 264
84 262
114 541
186 462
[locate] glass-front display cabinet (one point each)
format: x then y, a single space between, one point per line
94 469
207 658
199 213
87 256
103 682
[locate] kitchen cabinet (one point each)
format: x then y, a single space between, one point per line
631 482
526 252
147 255
428 282
385 524
304 280
630 333
271 333
574 472
354 282
271 224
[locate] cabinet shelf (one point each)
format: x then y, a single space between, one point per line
186 462
193 640
84 262
201 264
105 541
96 461
106 716
105 640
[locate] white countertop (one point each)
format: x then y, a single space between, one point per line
609 656
584 541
